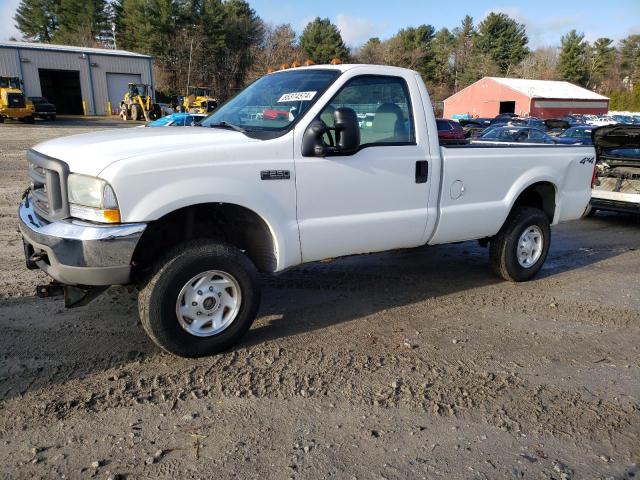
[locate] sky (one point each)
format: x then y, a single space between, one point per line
358 20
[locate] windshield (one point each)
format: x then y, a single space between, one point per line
9 82
273 102
576 133
501 134
198 91
138 90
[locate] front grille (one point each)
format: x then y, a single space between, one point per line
15 100
48 186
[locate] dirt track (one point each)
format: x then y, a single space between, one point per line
411 364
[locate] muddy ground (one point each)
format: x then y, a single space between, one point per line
410 364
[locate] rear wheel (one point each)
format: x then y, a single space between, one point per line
521 246
30 119
200 299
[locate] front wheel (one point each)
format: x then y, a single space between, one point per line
200 299
521 246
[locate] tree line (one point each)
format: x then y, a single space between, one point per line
224 44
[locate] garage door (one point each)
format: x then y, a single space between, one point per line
117 87
62 88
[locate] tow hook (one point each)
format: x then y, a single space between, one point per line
73 296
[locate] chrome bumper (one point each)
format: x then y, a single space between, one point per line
79 253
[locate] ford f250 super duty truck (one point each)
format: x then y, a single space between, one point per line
351 164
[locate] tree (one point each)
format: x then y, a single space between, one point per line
504 40
82 22
278 47
321 41
572 64
630 58
541 64
373 51
463 50
603 57
37 19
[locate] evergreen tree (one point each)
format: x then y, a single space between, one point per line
321 42
504 40
630 58
462 52
572 64
37 19
603 57
82 22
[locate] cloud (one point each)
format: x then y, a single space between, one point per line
7 27
356 30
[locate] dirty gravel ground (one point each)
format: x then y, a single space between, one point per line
410 364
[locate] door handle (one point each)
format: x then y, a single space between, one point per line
422 171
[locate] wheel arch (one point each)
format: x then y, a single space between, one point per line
231 223
540 194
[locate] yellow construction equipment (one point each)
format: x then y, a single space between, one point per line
198 100
13 103
137 103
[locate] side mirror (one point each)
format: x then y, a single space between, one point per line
347 133
347 130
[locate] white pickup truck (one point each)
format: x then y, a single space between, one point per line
286 172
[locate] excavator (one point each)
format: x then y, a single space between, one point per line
13 103
137 103
197 100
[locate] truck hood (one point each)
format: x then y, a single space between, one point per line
616 136
91 153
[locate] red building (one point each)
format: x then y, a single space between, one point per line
491 96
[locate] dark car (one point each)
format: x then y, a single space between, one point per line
473 127
516 135
450 132
555 126
44 108
576 136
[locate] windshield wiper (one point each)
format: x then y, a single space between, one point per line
228 126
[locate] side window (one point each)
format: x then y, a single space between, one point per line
382 106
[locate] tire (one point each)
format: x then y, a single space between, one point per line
52 118
30 120
158 303
504 247
1 119
589 212
135 112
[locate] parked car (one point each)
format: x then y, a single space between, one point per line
576 135
555 126
450 132
261 196
473 127
44 108
515 135
177 120
617 185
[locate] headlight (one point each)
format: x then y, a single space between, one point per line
92 199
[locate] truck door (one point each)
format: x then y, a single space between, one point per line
376 198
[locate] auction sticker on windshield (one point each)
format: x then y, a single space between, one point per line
297 97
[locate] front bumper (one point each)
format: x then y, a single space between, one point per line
74 252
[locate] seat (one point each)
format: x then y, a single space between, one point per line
388 124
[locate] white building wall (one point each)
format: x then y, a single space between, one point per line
93 69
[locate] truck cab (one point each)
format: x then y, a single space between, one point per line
193 220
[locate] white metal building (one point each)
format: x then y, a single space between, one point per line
77 80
